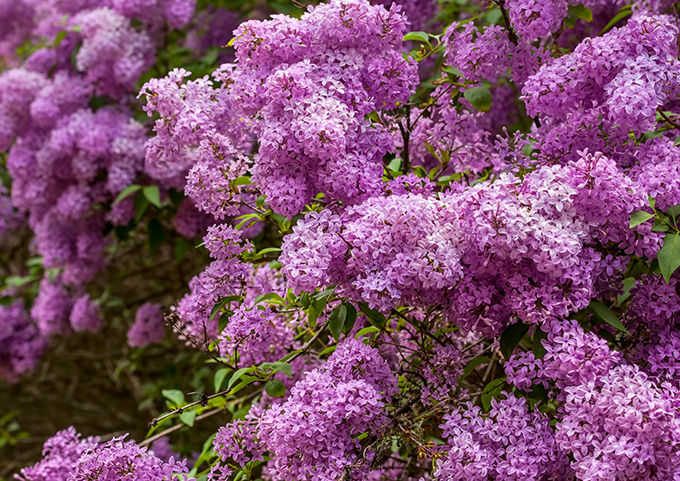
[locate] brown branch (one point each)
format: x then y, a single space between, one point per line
178 427
667 119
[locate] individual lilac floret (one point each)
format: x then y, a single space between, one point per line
149 326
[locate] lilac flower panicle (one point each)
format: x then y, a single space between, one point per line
149 326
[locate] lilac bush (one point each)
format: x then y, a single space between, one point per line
444 239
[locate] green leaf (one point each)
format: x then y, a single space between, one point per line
266 251
249 219
638 217
243 180
538 348
669 255
275 388
223 321
417 36
652 201
472 365
328 350
337 321
604 313
153 195
316 308
350 319
35 261
219 377
130 189
674 211
582 12
539 392
511 338
479 97
283 367
367 330
156 235
6 300
394 165
374 316
245 381
180 249
628 284
273 297
188 417
221 303
615 20
492 390
18 281
141 204
210 58
237 375
660 226
420 172
452 71
60 36
175 396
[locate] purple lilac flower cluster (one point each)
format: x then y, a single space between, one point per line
621 426
21 344
149 326
485 252
312 434
625 75
67 457
305 99
509 442
67 160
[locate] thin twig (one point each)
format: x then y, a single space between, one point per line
177 427
304 348
668 120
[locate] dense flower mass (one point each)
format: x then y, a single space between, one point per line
333 403
341 62
447 255
21 343
510 442
423 250
60 453
68 457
